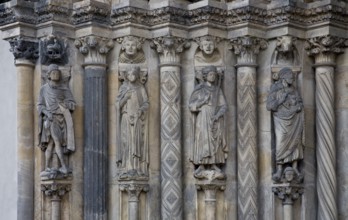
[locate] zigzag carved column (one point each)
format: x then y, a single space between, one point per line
169 49
95 50
324 49
246 49
25 54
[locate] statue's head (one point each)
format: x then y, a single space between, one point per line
53 72
286 74
131 45
207 45
209 73
133 73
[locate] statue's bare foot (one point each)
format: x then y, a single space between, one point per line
216 168
198 172
63 170
277 176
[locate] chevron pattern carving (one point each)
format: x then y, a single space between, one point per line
170 144
247 49
247 143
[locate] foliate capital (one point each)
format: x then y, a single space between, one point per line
288 193
169 48
94 48
24 49
247 48
134 190
325 48
55 190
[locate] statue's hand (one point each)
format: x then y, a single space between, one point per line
70 105
49 115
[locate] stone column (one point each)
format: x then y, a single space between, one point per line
25 54
324 49
288 193
247 49
169 49
95 126
210 197
134 189
56 191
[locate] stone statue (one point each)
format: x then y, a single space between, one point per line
286 104
208 54
131 105
208 105
131 50
56 132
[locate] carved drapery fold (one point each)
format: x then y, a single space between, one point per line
169 49
95 50
247 49
324 49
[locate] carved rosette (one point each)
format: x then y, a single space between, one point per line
94 48
288 193
24 49
169 49
247 49
324 49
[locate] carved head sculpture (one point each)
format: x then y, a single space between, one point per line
53 73
289 174
207 44
286 76
285 43
131 45
54 50
209 73
133 74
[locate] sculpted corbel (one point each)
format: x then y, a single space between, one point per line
131 50
207 54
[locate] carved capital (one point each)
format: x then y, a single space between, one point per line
169 48
55 190
53 50
325 48
247 48
288 193
134 190
94 48
23 49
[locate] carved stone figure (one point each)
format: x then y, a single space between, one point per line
208 105
286 104
131 105
208 52
56 132
53 50
131 50
285 52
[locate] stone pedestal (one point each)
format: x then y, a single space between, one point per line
210 188
134 188
55 190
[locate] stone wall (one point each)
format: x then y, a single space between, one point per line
178 110
8 131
